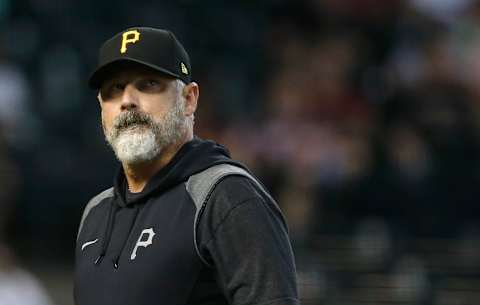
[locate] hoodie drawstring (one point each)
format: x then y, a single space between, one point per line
117 257
108 232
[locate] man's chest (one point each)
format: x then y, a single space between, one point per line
148 254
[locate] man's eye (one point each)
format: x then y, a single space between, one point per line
149 84
117 86
152 83
111 91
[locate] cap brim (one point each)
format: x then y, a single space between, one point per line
101 73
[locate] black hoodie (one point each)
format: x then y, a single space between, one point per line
138 249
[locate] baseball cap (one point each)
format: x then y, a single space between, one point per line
155 48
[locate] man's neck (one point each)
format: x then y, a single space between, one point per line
138 175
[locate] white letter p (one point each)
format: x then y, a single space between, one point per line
143 243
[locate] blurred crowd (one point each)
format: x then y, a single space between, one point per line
361 116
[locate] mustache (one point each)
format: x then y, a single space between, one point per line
132 118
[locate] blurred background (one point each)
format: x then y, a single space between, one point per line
361 116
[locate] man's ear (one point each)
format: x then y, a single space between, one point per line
99 98
191 93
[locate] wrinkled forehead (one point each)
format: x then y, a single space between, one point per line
129 71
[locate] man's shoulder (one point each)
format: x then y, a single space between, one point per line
96 200
224 187
216 191
230 179
93 202
237 188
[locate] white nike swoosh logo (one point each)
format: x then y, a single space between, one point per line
88 243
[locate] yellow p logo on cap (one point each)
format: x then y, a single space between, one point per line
129 37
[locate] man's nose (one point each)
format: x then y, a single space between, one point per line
129 98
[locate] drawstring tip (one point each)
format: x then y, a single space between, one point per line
99 259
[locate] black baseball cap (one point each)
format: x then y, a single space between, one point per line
155 48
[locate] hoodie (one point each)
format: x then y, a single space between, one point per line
139 249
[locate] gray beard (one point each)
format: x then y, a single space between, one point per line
137 138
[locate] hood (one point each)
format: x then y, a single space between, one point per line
193 157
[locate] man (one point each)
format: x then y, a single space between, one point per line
183 223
